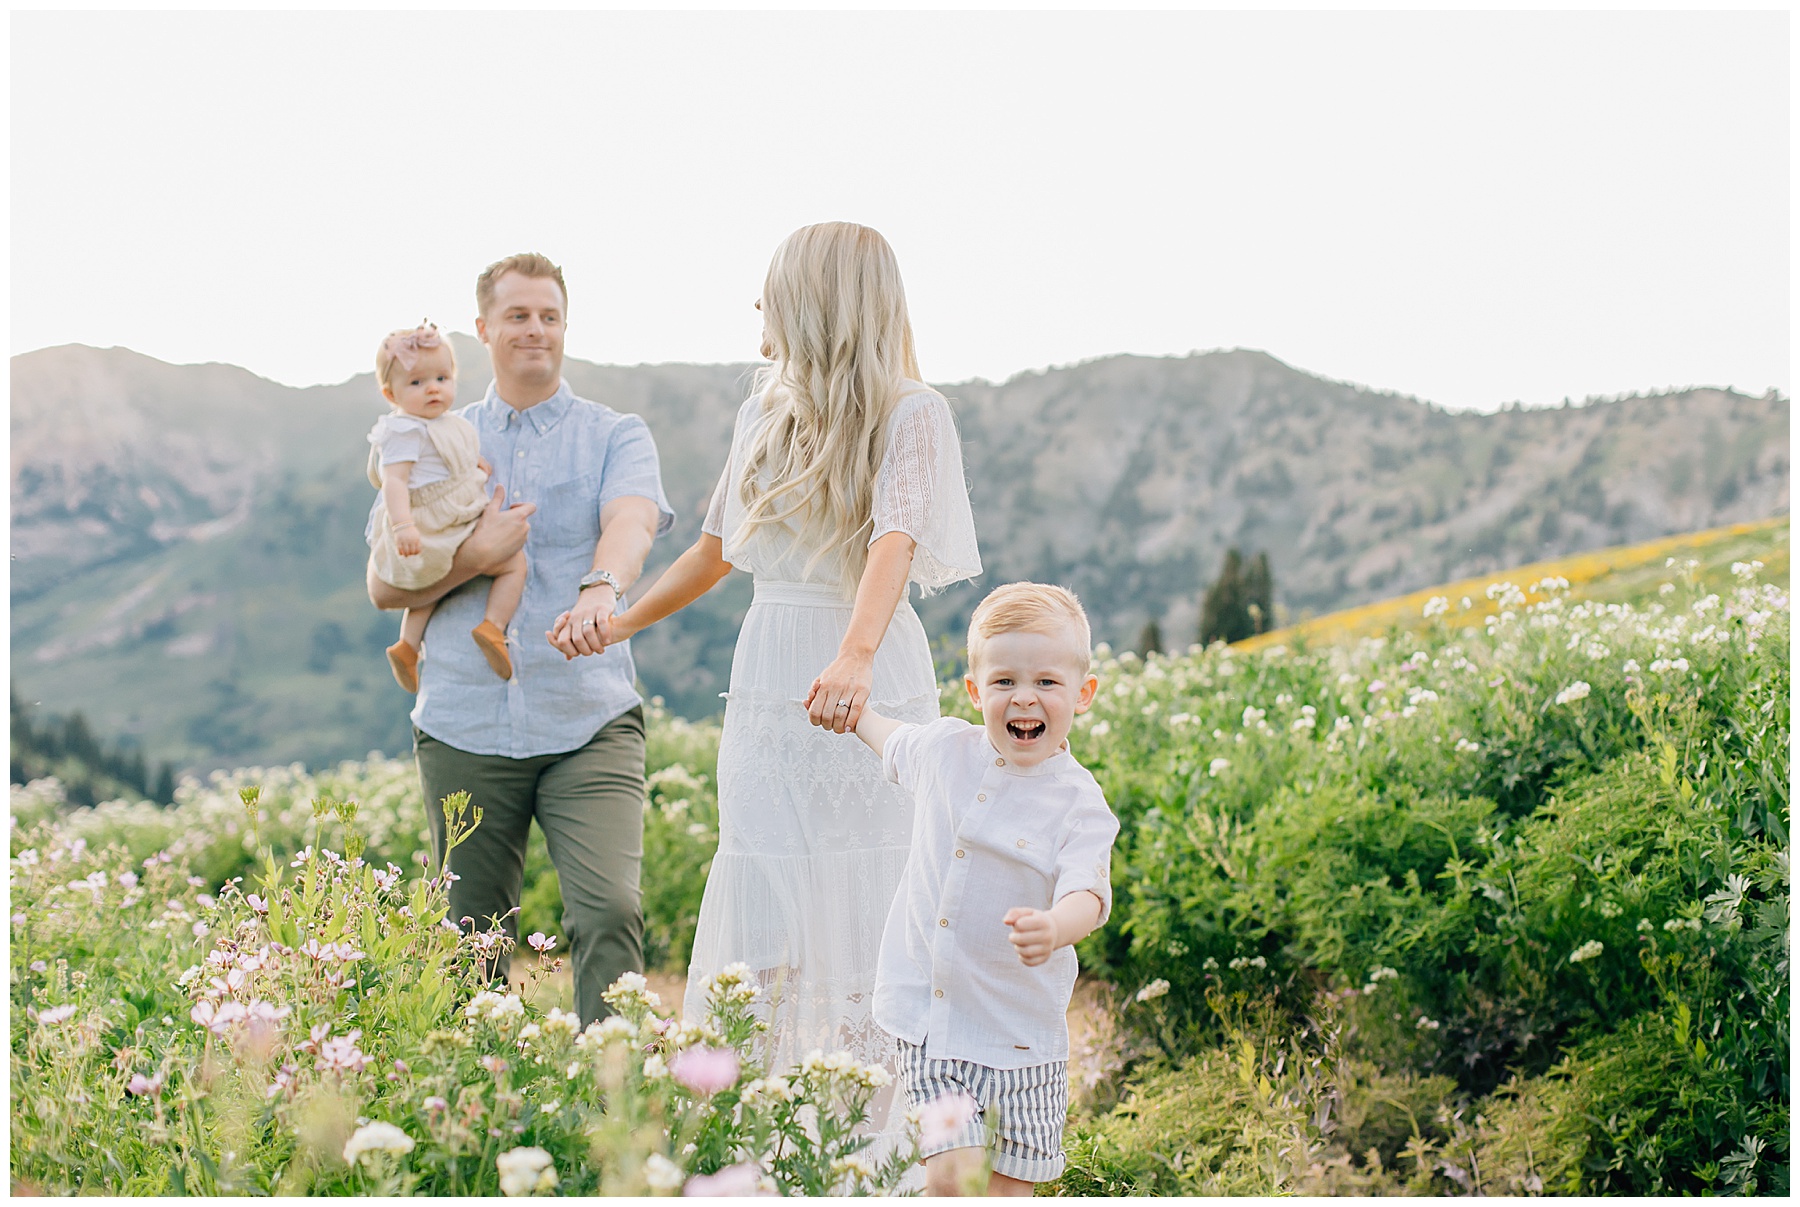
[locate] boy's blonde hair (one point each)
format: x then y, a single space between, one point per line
425 335
1032 608
526 264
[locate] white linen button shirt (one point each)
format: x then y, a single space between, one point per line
988 835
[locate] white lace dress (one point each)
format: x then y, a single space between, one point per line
812 838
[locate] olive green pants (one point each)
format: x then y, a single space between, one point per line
589 802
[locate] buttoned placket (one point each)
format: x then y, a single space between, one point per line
950 902
519 489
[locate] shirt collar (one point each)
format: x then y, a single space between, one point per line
1055 762
543 417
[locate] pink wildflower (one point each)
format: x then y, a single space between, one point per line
734 1181
941 1118
144 1087
705 1071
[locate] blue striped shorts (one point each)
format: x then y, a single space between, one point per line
1030 1106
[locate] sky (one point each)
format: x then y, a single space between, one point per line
1473 208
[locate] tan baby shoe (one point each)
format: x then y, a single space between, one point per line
492 641
403 659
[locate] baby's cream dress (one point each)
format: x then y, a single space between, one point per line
447 488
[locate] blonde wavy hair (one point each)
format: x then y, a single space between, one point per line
841 344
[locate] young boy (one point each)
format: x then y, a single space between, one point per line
1011 854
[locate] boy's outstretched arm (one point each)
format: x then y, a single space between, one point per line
875 729
1038 932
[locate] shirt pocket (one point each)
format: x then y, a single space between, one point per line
1027 841
569 512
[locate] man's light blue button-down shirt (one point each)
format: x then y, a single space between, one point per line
571 457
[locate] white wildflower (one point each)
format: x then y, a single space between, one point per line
1216 766
1587 951
525 1171
1577 690
1153 990
660 1173
376 1138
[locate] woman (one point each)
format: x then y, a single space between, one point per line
844 483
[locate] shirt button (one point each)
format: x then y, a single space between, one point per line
943 921
981 796
999 762
521 452
959 854
937 993
1021 842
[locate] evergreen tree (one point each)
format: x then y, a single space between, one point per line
1150 639
1259 594
1224 617
1241 603
164 793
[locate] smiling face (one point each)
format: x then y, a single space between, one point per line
426 390
523 330
1029 687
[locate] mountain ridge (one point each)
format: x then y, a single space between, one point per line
187 539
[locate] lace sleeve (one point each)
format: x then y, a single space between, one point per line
921 491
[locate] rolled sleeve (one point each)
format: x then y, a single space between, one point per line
1085 860
632 468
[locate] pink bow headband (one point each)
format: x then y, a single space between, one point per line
405 348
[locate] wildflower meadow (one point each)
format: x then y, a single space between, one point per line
1492 908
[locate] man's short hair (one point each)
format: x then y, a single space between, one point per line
526 264
1032 608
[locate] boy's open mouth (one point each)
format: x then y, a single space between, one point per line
1025 731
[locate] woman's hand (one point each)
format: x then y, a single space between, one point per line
839 693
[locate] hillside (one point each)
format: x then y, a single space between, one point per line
1619 574
188 560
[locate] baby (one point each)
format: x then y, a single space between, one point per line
1010 865
427 464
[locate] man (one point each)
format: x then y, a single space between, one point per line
562 741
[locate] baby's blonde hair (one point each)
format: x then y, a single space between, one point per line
1032 608
384 354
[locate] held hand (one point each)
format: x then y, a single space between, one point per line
585 628
481 464
839 693
498 534
1033 934
406 542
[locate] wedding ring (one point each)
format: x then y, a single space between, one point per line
587 624
843 704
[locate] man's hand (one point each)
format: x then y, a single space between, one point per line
498 534
1033 934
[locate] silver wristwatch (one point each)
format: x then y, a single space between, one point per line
593 578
